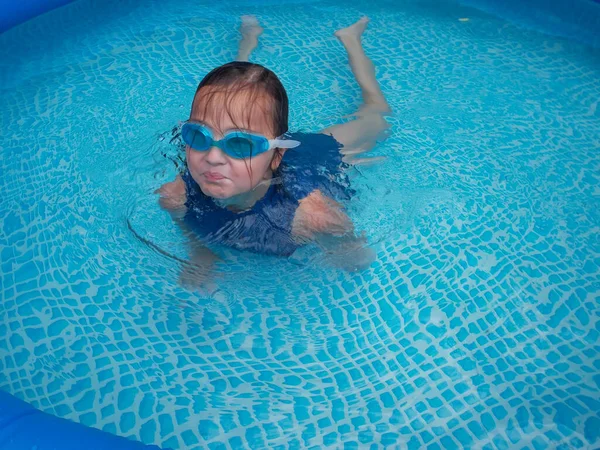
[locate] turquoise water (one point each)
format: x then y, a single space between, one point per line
477 327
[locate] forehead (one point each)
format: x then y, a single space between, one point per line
225 109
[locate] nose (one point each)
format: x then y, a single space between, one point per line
215 156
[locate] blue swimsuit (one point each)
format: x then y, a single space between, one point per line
267 227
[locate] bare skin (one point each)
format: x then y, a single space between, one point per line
318 218
360 135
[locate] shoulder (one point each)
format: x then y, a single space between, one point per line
315 165
172 194
318 214
314 146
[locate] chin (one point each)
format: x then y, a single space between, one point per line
215 192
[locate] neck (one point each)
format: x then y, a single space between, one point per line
246 200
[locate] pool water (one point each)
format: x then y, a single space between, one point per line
477 327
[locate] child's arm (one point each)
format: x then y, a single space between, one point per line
172 198
323 220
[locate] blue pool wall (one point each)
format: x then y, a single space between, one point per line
578 20
14 12
574 19
22 427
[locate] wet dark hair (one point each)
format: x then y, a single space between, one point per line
254 80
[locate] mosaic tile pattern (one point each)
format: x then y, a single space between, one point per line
477 327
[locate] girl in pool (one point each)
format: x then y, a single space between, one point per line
250 185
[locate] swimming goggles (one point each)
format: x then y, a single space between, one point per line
237 144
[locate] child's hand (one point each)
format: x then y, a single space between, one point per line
347 252
198 272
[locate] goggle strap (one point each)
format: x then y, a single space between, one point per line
283 143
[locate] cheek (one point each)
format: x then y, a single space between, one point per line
194 159
241 171
262 164
253 171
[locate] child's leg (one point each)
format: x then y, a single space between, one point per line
362 67
250 30
361 134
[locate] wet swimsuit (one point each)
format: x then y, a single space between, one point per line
267 227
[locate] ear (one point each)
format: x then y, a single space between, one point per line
277 157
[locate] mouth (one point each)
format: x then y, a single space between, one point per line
213 176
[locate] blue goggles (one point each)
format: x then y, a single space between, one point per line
237 144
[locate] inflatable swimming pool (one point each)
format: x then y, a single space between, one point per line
23 427
14 13
476 328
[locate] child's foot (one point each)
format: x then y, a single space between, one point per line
355 30
250 27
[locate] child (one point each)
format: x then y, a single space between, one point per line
249 185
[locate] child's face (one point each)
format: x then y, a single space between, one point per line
219 175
